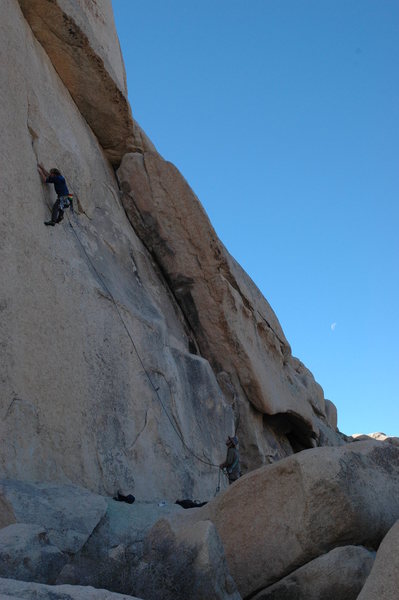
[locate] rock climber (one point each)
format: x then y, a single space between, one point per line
232 462
64 198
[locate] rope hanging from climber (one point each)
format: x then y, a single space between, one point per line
230 467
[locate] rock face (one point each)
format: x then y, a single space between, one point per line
383 581
80 39
132 344
280 517
105 342
222 305
96 366
337 575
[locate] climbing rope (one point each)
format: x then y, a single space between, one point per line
155 388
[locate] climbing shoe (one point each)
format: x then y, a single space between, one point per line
49 223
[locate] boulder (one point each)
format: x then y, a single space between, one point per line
20 589
278 518
184 563
126 525
26 553
134 549
68 513
383 581
108 557
337 575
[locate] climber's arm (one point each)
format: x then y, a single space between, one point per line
43 173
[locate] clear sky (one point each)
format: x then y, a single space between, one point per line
283 115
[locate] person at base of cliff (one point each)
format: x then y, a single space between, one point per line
64 198
232 462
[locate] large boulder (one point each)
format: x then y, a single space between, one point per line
108 557
337 575
383 581
10 588
26 553
122 555
184 563
68 513
280 517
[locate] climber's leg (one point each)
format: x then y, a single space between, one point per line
55 214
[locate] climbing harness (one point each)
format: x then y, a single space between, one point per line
155 388
66 201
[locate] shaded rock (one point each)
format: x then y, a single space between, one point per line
68 513
127 525
26 553
235 327
327 435
19 589
276 519
82 44
107 559
337 575
383 581
188 563
6 512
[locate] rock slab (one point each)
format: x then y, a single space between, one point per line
10 588
383 581
26 553
67 512
336 575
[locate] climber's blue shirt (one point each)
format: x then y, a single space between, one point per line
59 184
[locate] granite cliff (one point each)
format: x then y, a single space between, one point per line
130 328
132 344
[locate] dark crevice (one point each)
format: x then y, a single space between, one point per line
193 345
299 433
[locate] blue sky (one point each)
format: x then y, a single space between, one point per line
284 118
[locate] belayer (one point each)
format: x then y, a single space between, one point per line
64 198
232 462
